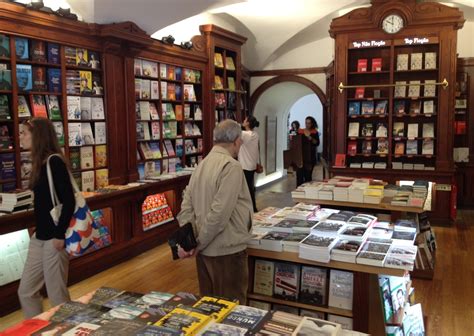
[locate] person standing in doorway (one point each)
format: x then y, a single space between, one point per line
294 128
309 145
218 205
249 154
47 261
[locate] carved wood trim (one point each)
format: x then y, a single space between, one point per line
222 33
288 72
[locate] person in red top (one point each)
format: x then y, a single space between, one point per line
309 145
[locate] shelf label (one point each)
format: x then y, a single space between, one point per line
365 44
443 187
416 40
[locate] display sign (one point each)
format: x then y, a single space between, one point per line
366 44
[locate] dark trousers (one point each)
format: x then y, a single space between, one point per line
304 174
224 276
249 177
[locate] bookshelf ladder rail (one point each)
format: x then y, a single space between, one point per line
444 84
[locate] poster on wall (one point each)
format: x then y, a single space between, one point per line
270 144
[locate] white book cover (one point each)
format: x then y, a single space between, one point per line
74 134
263 279
412 131
144 110
164 90
428 107
87 135
145 89
97 108
345 322
154 112
86 108
155 130
416 61
146 131
155 90
414 89
430 60
402 62
87 157
163 71
400 91
88 178
428 130
73 108
427 147
100 133
429 89
23 108
353 129
341 289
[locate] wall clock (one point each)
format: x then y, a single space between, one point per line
392 24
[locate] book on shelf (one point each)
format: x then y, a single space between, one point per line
263 279
144 110
86 108
100 157
341 285
399 148
100 131
367 107
82 57
171 91
416 61
460 103
24 77
86 82
5 79
70 55
145 151
154 90
97 108
460 127
231 83
430 60
429 89
88 180
153 111
73 108
229 63
367 130
461 154
179 112
362 65
169 148
382 146
367 147
75 158
87 135
218 60
87 157
359 93
352 147
219 99
53 53
59 129
25 166
145 89
101 178
4 107
23 107
178 73
7 162
399 107
21 48
428 107
189 93
94 60
140 130
402 62
179 147
354 108
353 130
428 130
138 88
149 68
171 72
155 130
412 147
381 131
54 109
400 90
414 89
313 285
39 106
376 64
415 107
218 84
412 131
74 134
427 147
377 93
39 78
287 281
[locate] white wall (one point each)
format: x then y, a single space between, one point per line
309 105
466 40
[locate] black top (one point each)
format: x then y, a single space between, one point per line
45 227
309 147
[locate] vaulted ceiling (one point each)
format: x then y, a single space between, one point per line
273 27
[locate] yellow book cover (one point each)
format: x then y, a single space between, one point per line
375 187
188 322
218 82
218 309
101 156
179 112
231 83
81 57
229 63
86 81
101 178
218 61
373 192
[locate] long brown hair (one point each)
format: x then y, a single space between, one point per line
43 143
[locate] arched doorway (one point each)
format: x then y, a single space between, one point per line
271 103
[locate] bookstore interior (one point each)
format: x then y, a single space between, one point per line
377 246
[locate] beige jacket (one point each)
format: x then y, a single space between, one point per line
217 202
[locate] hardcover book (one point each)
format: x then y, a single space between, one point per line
7 161
376 64
414 89
184 320
367 147
54 110
263 279
362 65
216 308
412 147
400 89
381 131
341 289
353 130
87 135
97 108
218 60
86 108
149 69
100 130
74 134
402 62
24 77
367 107
399 107
287 281
367 130
430 60
352 147
101 178
85 82
246 317
229 63
53 53
415 107
4 46
39 106
87 157
313 285
70 55
59 129
54 80
354 108
381 107
88 179
39 79
399 148
74 108
21 48
428 130
416 61
4 107
429 88
428 107
412 131
427 147
23 108
5 79
145 89
94 60
359 93
382 146
38 51
155 90
75 158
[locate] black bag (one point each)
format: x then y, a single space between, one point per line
183 237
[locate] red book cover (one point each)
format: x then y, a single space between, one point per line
351 148
39 106
340 160
362 65
460 127
27 327
376 64
359 93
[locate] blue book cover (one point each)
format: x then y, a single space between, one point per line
158 167
4 46
354 108
6 187
177 74
53 53
179 148
5 80
141 171
24 77
367 107
54 80
21 48
8 166
178 92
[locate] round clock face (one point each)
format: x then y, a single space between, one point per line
392 24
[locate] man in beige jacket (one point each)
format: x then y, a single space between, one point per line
217 203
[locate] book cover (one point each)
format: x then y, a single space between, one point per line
229 63
313 285
26 327
54 110
382 146
367 130
352 147
353 130
362 65
146 130
402 62
155 90
414 89
189 93
53 53
101 178
100 131
94 60
231 83
97 108
86 108
381 107
86 82
82 329
103 295
428 107
21 48
430 60
428 130
87 157
179 112
218 82
341 285
416 61
399 107
4 108
169 148
86 133
26 165
359 93
39 78
287 281
5 79
367 107
145 89
38 51
54 80
218 60
263 279
4 46
24 77
171 72
412 131
140 131
427 147
144 110
8 170
88 178
149 69
155 130
54 328
354 108
376 64
59 129
245 317
412 147
367 147
82 57
179 147
73 108
74 134
216 308
171 91
381 131
178 73
400 90
399 148
70 55
313 326
163 71
75 158
415 107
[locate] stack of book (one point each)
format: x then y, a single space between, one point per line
317 248
16 201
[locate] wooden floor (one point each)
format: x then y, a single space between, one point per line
447 300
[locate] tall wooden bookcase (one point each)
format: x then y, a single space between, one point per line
359 36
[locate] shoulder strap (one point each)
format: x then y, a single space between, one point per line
52 190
